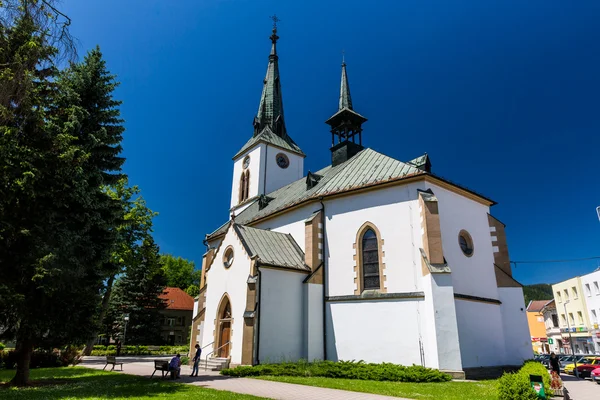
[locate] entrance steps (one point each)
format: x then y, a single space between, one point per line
215 363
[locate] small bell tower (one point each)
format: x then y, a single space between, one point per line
346 126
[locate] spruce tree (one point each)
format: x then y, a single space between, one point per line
137 294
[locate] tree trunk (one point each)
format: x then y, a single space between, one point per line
24 350
105 302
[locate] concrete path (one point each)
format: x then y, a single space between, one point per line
211 379
581 389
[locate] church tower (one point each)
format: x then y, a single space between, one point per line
270 159
346 126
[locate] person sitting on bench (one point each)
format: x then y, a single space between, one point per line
175 367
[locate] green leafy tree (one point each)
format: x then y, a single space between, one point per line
181 273
134 229
56 220
137 294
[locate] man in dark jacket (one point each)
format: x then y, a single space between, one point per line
196 360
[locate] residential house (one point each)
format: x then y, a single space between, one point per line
573 316
177 317
555 343
537 326
591 293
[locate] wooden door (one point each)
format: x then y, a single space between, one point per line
225 336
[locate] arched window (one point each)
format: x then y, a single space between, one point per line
370 260
244 185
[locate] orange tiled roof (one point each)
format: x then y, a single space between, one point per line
177 299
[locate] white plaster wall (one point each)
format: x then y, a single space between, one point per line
281 311
233 281
473 275
593 303
277 177
255 167
517 338
313 321
481 334
395 213
441 324
291 223
374 331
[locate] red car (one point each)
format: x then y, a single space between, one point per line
588 365
595 375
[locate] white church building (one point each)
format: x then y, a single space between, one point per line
369 258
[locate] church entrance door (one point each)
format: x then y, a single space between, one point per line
225 338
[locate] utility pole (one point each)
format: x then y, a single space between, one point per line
571 339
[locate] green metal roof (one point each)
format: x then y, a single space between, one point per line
271 248
366 168
267 136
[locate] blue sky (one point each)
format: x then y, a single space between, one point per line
503 95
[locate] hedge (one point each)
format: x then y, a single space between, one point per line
111 350
518 386
42 358
344 369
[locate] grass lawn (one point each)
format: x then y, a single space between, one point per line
85 383
481 390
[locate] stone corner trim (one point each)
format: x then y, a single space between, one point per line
377 295
431 232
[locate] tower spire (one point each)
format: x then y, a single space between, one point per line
346 125
270 109
345 98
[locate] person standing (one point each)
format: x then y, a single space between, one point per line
196 360
555 382
118 348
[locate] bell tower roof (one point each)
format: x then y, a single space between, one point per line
269 122
346 125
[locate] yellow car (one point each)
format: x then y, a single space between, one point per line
588 361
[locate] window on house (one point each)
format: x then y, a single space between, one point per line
566 294
571 319
564 320
574 290
558 295
370 260
554 321
580 317
588 291
594 317
596 288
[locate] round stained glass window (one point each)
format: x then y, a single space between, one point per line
282 160
228 257
466 243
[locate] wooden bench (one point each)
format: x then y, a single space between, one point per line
162 366
112 360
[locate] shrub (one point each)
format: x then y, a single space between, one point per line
2 346
344 369
70 356
518 386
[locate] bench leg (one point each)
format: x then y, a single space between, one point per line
151 376
104 367
121 366
113 367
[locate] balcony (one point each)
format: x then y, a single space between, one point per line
555 330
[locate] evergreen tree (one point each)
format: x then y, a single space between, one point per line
57 222
137 294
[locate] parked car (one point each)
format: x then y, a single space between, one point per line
595 375
584 366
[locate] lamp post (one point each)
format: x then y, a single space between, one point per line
571 339
126 318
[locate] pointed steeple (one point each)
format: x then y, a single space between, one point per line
346 125
270 109
345 98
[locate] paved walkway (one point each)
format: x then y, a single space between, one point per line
211 379
581 389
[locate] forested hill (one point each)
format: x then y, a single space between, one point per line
540 291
